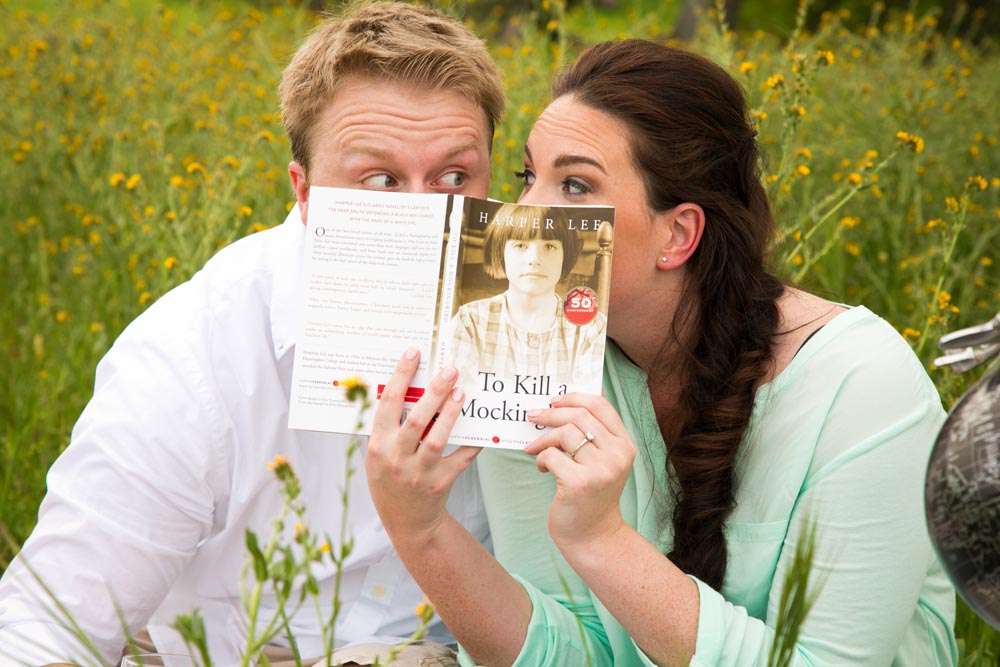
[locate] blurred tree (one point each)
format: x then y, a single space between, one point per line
686 26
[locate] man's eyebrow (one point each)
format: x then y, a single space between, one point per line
367 151
569 160
462 148
382 154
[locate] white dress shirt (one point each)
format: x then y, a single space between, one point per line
167 469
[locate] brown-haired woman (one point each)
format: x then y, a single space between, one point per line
737 411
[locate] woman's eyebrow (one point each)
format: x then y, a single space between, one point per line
569 160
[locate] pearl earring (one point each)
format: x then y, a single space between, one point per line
663 259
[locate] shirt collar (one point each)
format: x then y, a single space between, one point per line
285 293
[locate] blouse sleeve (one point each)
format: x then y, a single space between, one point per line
558 637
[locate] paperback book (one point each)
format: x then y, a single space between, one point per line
514 296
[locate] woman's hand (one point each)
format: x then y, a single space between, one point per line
408 477
590 453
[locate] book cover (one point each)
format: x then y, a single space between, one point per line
514 296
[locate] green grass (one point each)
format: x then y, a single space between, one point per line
138 138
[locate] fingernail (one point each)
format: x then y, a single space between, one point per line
534 413
411 353
555 399
457 394
449 373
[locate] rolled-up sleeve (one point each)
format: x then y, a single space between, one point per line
128 501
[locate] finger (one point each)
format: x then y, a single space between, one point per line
561 437
598 406
555 461
462 458
421 420
435 437
570 425
390 403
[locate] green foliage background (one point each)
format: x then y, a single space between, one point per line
137 138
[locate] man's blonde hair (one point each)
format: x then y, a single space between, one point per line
387 41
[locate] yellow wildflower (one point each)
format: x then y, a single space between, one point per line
116 179
62 316
978 182
176 181
986 261
747 66
144 298
96 327
775 82
909 333
852 248
245 211
132 182
855 178
911 140
170 262
943 300
825 58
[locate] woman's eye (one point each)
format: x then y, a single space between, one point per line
571 186
380 182
453 179
552 247
527 176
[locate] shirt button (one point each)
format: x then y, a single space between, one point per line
378 591
533 341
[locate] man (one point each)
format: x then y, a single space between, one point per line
167 467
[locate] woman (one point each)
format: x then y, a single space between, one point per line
737 410
523 330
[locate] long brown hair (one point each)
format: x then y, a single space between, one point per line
693 141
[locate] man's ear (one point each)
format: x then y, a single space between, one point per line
684 226
301 186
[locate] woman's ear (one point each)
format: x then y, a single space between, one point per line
684 225
301 186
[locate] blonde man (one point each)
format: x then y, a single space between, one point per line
166 470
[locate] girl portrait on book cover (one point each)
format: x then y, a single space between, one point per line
524 330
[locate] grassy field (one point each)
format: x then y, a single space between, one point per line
136 139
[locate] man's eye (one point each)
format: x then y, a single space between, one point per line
453 179
380 182
527 176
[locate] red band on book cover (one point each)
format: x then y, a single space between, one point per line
413 394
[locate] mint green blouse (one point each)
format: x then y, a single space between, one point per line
842 437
